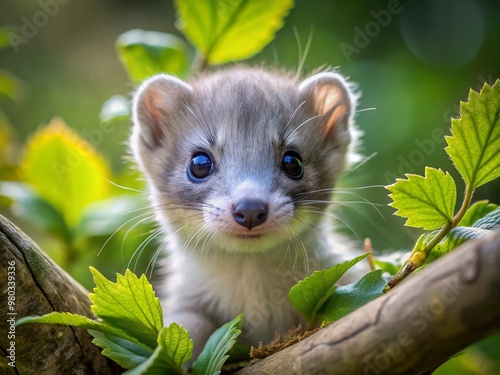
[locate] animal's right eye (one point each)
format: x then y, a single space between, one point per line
200 167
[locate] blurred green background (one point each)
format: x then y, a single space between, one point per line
413 60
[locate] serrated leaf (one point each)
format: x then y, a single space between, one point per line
76 320
123 352
427 202
347 298
230 30
145 53
310 294
65 170
174 349
116 108
129 304
475 141
214 354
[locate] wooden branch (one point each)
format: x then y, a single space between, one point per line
38 286
417 326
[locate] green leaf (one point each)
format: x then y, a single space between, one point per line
214 354
75 320
174 349
129 304
427 202
124 352
29 206
65 170
145 53
116 108
310 294
476 212
386 266
475 140
11 86
70 319
229 30
480 228
490 221
347 298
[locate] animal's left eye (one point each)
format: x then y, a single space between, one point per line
292 165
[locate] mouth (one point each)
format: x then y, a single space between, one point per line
248 236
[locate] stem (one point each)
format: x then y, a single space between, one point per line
419 255
465 205
367 245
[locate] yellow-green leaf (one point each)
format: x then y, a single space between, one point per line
475 141
229 30
174 349
129 304
65 170
427 202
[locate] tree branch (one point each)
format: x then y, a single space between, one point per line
415 327
41 287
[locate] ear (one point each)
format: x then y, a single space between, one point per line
157 103
330 97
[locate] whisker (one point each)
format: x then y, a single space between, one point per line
366 109
286 137
118 229
142 246
361 163
336 217
302 59
124 187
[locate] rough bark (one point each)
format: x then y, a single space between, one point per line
41 287
417 326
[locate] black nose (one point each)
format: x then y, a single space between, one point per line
250 212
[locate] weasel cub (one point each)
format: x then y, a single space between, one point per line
240 165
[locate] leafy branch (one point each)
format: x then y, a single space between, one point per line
129 328
429 202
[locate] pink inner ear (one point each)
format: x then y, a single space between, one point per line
331 103
154 115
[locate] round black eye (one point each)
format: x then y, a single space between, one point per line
292 165
200 166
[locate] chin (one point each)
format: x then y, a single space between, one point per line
249 243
